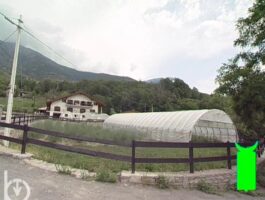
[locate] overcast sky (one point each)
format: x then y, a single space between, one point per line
143 39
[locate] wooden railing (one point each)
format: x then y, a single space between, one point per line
25 119
79 120
133 159
190 146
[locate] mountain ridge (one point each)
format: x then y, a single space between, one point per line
37 66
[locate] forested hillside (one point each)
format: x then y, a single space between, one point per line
167 95
37 66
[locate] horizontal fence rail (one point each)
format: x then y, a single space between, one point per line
79 120
181 144
80 150
14 126
25 119
78 138
191 160
15 140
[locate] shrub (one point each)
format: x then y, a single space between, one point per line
106 176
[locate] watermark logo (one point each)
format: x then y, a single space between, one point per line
16 187
246 167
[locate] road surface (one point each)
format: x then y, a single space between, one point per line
46 185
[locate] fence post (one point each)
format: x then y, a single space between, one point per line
19 120
14 119
229 166
25 138
191 157
133 157
24 118
27 119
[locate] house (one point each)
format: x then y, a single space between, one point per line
76 106
42 110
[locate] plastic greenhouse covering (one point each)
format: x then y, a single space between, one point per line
177 126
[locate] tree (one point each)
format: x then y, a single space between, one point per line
243 77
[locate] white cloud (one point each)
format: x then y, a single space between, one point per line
206 85
136 38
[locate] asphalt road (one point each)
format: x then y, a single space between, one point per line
46 185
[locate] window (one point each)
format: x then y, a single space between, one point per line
92 110
82 110
64 100
70 102
57 108
75 115
83 116
89 103
70 109
83 103
76 102
66 115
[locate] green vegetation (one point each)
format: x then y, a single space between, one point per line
86 129
92 164
243 79
162 182
3 83
106 176
63 169
28 105
119 96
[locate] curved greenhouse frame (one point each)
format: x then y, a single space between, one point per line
177 126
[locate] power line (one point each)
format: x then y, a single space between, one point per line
9 36
47 46
36 38
3 42
8 19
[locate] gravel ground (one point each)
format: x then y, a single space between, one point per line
46 185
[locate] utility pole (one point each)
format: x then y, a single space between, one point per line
12 82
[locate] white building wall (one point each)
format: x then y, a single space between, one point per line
76 108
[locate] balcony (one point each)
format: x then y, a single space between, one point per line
79 105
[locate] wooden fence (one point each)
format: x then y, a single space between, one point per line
79 120
191 160
25 119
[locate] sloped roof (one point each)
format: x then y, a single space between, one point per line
77 93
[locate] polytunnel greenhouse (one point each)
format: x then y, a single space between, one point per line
177 126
